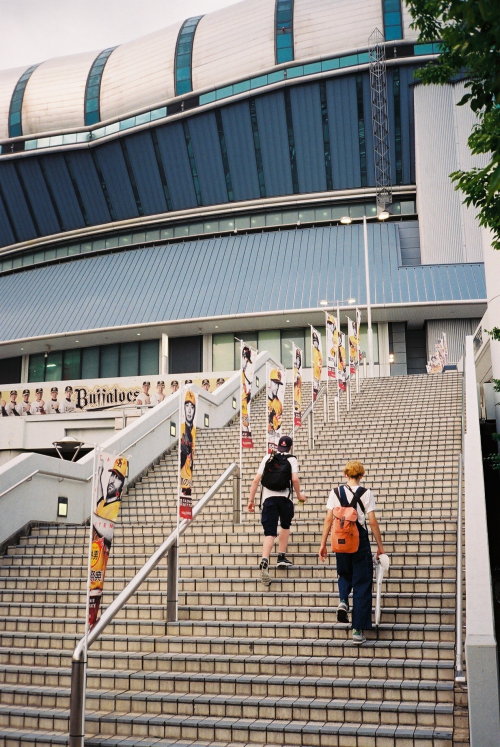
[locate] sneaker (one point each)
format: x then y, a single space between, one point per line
264 572
342 611
283 561
357 636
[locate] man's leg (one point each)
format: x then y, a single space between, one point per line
286 515
283 538
267 546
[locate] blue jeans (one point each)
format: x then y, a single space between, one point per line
356 574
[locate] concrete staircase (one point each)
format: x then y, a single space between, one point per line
245 664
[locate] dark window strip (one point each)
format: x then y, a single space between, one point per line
163 176
256 144
78 195
192 162
225 159
16 103
291 142
50 194
283 37
131 176
361 131
9 216
26 198
396 91
326 135
103 185
92 106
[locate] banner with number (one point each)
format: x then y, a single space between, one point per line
187 445
317 361
353 335
332 343
247 370
342 367
108 485
275 378
297 386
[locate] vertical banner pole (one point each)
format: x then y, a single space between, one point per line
241 420
312 391
173 557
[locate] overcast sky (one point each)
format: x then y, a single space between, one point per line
35 30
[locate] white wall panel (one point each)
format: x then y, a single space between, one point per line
456 331
448 230
140 73
233 43
408 33
329 27
8 80
54 96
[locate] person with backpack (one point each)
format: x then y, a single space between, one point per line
278 473
347 509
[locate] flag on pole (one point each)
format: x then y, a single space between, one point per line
187 445
332 341
247 371
342 367
275 378
353 335
317 361
108 484
297 386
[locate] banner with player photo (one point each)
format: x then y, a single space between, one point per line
317 361
247 371
439 358
275 386
187 445
297 385
353 335
332 342
342 367
109 480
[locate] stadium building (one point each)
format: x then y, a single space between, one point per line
161 197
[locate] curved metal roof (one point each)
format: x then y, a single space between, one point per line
229 44
224 277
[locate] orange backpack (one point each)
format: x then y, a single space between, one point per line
344 531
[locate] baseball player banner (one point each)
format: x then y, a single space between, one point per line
297 386
353 335
317 361
109 481
439 358
247 370
187 445
342 367
275 378
332 342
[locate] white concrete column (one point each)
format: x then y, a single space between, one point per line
492 316
383 349
207 353
164 354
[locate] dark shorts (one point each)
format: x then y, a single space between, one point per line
276 508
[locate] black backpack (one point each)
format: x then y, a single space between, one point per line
277 473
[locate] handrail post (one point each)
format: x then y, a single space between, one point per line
77 713
172 579
236 498
310 429
459 673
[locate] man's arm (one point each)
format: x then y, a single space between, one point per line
296 486
376 533
327 525
253 489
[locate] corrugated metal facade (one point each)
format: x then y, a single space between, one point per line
448 230
456 330
230 276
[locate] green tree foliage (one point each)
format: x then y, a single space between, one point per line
469 31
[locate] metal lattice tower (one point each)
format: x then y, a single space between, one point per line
380 120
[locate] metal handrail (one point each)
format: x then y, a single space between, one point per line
46 473
79 659
459 672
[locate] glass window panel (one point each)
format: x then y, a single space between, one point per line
111 242
323 214
143 118
30 144
181 231
28 259
109 366
56 140
283 41
408 207
357 211
350 59
126 123
295 72
50 254
195 229
288 338
17 262
306 215
363 58
62 251
226 224
90 362
75 249
258 221
243 85
167 233
223 352
273 219
139 236
242 222
370 210
330 64
270 340
111 128
98 132
149 360
72 364
261 80
36 367
124 240
82 137
129 359
207 98
53 366
395 208
86 247
99 244
363 340
313 67
153 235
69 138
159 113
223 93
277 76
